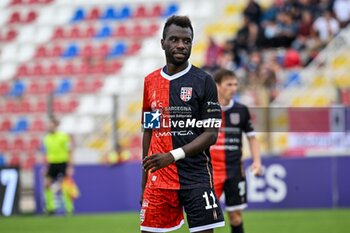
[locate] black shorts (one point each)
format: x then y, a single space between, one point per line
235 190
56 170
202 208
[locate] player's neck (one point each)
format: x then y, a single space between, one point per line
223 101
172 69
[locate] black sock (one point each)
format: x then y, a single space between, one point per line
237 229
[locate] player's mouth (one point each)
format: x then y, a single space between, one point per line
179 55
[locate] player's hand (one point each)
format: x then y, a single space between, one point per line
257 168
157 161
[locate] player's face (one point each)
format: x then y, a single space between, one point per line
52 126
177 44
227 88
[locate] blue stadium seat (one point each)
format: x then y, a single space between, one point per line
118 50
109 14
21 125
2 159
170 10
78 16
71 51
125 13
18 89
105 32
64 87
293 79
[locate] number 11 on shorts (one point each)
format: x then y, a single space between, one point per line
208 205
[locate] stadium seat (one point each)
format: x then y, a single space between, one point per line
25 106
41 106
80 86
64 87
10 35
121 31
87 51
23 71
31 16
96 85
138 31
152 29
41 52
6 125
78 16
83 69
140 12
90 31
29 162
75 33
15 18
56 51
4 88
125 13
18 89
11 106
59 33
113 67
118 50
49 87
38 70
102 50
133 48
21 125
71 51
38 125
69 69
34 88
53 70
18 144
71 105
14 160
4 144
109 14
170 10
94 14
104 32
157 11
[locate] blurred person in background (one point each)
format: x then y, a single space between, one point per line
228 171
177 171
341 10
58 156
325 27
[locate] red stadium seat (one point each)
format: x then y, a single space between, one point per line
96 85
38 125
11 106
25 106
41 106
80 86
15 18
59 33
157 11
90 31
32 15
72 104
94 14
152 29
34 88
16 2
69 69
83 69
4 144
102 50
53 70
29 162
56 51
33 144
114 67
4 88
133 48
140 12
98 68
58 105
87 50
10 35
75 33
18 144
23 71
14 160
137 30
49 87
121 31
41 52
38 70
5 125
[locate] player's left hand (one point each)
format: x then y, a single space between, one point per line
157 161
257 168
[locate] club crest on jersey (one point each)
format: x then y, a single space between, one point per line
234 118
186 93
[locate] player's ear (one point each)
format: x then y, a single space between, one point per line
162 43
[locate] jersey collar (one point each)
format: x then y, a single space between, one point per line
230 105
177 75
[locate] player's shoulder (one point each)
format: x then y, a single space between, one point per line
153 75
239 105
199 73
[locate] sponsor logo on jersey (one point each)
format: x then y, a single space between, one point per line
151 120
234 118
186 93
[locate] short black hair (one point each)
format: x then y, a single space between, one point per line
181 21
223 74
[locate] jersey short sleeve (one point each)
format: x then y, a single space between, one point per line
146 107
247 126
210 107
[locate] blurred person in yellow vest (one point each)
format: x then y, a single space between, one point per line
58 156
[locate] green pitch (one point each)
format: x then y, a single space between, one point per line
292 221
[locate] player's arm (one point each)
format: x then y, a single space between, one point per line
198 145
254 149
146 141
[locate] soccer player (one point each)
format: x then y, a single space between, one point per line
57 146
226 154
181 118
